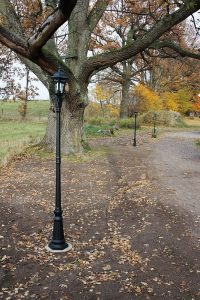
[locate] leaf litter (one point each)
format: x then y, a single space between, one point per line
121 235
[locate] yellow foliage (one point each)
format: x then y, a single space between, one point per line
170 101
100 93
94 110
177 101
149 100
112 110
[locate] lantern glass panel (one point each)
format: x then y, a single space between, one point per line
62 87
57 87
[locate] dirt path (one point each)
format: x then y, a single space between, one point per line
129 241
177 166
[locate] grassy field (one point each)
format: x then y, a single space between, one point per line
192 122
16 135
37 110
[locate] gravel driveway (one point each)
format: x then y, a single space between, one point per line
176 162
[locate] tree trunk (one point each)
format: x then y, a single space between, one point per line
72 112
25 100
125 99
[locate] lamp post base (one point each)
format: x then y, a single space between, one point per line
65 248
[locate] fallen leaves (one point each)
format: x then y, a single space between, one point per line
120 235
98 278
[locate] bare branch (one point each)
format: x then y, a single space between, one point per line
102 61
97 12
169 44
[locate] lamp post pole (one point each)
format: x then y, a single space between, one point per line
135 128
154 126
58 243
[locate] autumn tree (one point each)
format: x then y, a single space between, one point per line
196 103
28 28
8 71
28 93
120 29
176 80
101 95
11 75
148 99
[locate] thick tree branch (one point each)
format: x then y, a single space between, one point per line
11 31
13 42
51 24
97 12
47 61
171 45
102 61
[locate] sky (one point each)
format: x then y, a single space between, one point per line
42 90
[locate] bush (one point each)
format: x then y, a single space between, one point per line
165 118
129 122
105 123
102 121
97 121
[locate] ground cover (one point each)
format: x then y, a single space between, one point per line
192 122
128 243
16 135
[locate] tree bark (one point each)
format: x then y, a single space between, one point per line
73 104
125 98
71 131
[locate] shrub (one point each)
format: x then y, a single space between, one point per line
165 118
128 122
97 121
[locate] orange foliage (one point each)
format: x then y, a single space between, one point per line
31 13
196 105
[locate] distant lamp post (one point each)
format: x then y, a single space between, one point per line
135 128
58 243
154 125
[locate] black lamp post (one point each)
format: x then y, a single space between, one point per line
154 126
135 127
58 243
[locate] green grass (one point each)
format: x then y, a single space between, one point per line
198 143
93 130
36 110
15 136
